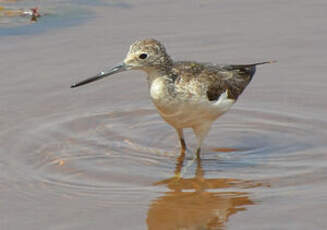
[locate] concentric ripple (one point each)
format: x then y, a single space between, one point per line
124 152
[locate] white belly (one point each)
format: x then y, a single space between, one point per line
184 112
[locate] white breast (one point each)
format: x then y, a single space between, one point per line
157 89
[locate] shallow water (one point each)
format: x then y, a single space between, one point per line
100 157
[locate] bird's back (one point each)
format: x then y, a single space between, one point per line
211 81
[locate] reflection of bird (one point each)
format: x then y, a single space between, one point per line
186 94
190 206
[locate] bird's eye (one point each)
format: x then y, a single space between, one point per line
143 56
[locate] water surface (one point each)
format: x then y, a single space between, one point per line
100 157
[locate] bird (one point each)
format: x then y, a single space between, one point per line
33 12
187 94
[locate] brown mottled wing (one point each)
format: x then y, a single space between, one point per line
241 75
216 79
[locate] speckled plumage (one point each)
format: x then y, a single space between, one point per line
216 78
187 94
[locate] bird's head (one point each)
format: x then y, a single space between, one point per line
147 55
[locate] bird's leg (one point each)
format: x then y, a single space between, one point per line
181 139
198 151
200 133
179 165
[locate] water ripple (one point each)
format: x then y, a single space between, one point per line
123 152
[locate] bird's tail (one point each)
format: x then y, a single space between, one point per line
265 62
248 69
254 64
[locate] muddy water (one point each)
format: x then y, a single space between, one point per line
100 157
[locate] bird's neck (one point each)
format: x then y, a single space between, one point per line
162 67
157 72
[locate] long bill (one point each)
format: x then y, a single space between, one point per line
117 69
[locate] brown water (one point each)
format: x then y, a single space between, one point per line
100 157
